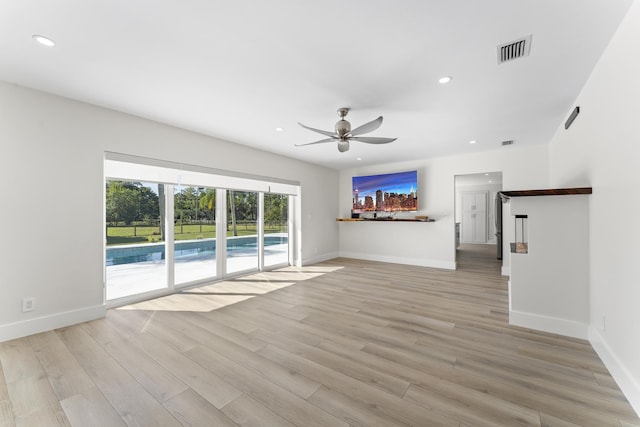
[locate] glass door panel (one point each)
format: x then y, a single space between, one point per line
276 233
194 234
135 252
242 231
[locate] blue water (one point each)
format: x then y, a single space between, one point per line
187 250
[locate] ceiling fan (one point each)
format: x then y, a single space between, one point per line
343 133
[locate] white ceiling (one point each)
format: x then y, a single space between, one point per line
237 70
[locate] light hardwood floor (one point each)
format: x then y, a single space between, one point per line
340 343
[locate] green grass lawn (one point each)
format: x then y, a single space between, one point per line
127 235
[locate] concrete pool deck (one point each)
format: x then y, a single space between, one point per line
135 278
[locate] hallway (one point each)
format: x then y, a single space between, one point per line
479 258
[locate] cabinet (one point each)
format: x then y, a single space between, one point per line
474 217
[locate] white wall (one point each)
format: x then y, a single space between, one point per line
602 149
51 169
522 168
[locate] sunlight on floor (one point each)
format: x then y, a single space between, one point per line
221 294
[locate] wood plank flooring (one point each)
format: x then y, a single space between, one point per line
339 343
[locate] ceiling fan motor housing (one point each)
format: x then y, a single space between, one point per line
343 128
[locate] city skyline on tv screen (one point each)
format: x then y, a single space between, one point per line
391 192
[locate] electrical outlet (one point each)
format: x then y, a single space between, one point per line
28 304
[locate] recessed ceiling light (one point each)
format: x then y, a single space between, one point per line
279 129
472 142
486 174
45 41
444 80
359 158
490 181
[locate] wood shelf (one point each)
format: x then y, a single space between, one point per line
383 220
506 195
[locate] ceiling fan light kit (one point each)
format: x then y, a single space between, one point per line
343 133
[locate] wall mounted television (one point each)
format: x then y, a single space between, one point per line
392 192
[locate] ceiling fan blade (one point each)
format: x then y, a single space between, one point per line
367 127
372 139
322 132
316 142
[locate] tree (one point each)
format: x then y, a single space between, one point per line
122 202
275 208
161 205
128 201
149 209
248 206
232 209
207 202
243 206
185 203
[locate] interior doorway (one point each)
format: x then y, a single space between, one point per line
477 221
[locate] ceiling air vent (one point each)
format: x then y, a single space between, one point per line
514 50
507 142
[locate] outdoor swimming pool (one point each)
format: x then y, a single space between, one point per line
188 250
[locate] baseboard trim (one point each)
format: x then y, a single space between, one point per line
630 386
401 260
319 258
554 325
36 325
506 270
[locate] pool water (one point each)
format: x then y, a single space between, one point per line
187 250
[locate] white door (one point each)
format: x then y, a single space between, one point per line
474 217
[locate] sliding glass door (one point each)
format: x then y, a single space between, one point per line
135 252
194 234
163 237
276 229
242 231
